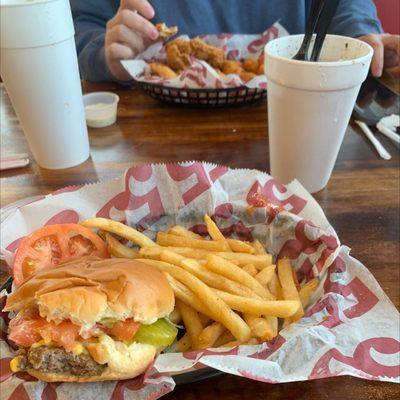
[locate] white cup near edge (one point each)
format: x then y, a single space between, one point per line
310 104
40 71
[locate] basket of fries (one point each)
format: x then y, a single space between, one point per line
263 288
207 71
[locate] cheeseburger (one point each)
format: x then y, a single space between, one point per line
91 320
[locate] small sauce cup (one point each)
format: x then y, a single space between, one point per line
100 109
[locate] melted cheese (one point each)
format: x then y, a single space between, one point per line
14 364
48 343
78 349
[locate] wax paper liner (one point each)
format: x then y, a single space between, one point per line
200 74
350 326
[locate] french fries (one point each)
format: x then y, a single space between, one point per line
233 343
251 269
166 239
306 291
258 247
265 275
192 322
120 229
295 280
260 261
181 231
226 337
240 247
209 335
273 321
186 295
217 309
276 308
289 290
175 317
117 249
275 287
153 252
234 244
184 343
228 292
204 319
210 278
231 271
215 233
260 327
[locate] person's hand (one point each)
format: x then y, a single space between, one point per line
128 33
386 52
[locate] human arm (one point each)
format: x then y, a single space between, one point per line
108 32
358 18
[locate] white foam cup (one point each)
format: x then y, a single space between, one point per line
40 71
310 104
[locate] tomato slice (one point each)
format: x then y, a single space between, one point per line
64 334
124 330
54 244
23 329
29 328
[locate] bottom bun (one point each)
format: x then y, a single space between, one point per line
107 375
123 362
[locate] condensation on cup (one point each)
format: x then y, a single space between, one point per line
40 71
310 104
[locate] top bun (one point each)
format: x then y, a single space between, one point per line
89 289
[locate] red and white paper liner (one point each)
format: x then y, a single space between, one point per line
201 75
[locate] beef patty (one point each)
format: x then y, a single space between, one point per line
57 360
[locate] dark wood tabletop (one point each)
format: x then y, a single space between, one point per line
361 200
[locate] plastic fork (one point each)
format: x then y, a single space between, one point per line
323 23
315 11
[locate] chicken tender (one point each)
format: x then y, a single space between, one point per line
162 70
165 32
246 76
231 67
178 54
220 73
203 51
251 65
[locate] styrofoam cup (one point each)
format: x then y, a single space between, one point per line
310 104
40 71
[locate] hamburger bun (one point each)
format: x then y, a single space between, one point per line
89 289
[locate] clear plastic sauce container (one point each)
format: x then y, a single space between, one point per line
100 109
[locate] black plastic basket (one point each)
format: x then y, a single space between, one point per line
204 98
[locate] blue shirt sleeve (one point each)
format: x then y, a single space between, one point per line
90 19
355 18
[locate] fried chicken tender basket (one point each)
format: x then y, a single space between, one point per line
203 98
199 85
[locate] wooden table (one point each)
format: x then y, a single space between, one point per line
361 201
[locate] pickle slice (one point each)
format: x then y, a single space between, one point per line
160 334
